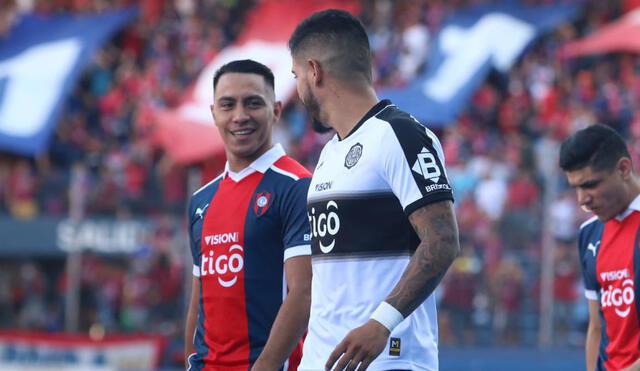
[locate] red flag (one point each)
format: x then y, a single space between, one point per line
188 132
622 35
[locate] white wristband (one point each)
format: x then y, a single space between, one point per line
387 315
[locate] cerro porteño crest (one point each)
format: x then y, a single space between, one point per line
262 203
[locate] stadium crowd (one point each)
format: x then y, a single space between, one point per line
500 156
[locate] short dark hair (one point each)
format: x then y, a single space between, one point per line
343 33
245 66
597 146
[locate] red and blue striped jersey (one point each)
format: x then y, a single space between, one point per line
610 259
242 227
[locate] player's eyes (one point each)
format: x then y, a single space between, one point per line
255 103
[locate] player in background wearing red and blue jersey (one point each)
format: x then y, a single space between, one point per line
597 164
249 238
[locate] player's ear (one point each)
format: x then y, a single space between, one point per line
315 72
277 111
625 168
211 108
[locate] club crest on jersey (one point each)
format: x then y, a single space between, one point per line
262 203
353 156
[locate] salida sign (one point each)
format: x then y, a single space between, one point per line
108 236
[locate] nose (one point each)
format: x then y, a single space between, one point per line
584 198
240 114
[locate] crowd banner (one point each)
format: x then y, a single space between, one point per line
41 59
44 351
468 46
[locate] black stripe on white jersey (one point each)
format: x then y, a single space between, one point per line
377 226
424 156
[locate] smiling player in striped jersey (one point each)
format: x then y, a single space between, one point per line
249 238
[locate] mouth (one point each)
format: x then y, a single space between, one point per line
242 132
591 209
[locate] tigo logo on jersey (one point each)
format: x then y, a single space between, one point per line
621 298
325 224
427 166
225 266
263 201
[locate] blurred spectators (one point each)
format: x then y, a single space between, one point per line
500 155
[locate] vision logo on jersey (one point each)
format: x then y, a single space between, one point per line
224 266
353 156
620 297
324 186
427 166
219 238
263 201
325 226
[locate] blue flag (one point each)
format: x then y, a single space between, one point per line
468 46
40 62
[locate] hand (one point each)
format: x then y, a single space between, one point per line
361 346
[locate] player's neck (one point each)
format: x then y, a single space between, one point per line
347 107
239 163
634 189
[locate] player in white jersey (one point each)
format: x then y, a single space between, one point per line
380 207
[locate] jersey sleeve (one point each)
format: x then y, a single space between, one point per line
296 232
414 166
194 238
587 264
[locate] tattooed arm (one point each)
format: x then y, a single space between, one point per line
437 228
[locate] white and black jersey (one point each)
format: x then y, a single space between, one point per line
362 191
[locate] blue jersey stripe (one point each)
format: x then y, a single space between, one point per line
197 210
264 254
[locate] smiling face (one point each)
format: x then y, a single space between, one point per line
604 193
244 111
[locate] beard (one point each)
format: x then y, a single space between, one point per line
320 127
313 108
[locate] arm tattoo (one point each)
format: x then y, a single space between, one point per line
436 226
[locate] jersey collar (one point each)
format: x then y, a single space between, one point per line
261 164
633 206
377 108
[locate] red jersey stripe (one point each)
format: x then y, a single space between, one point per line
616 276
222 275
